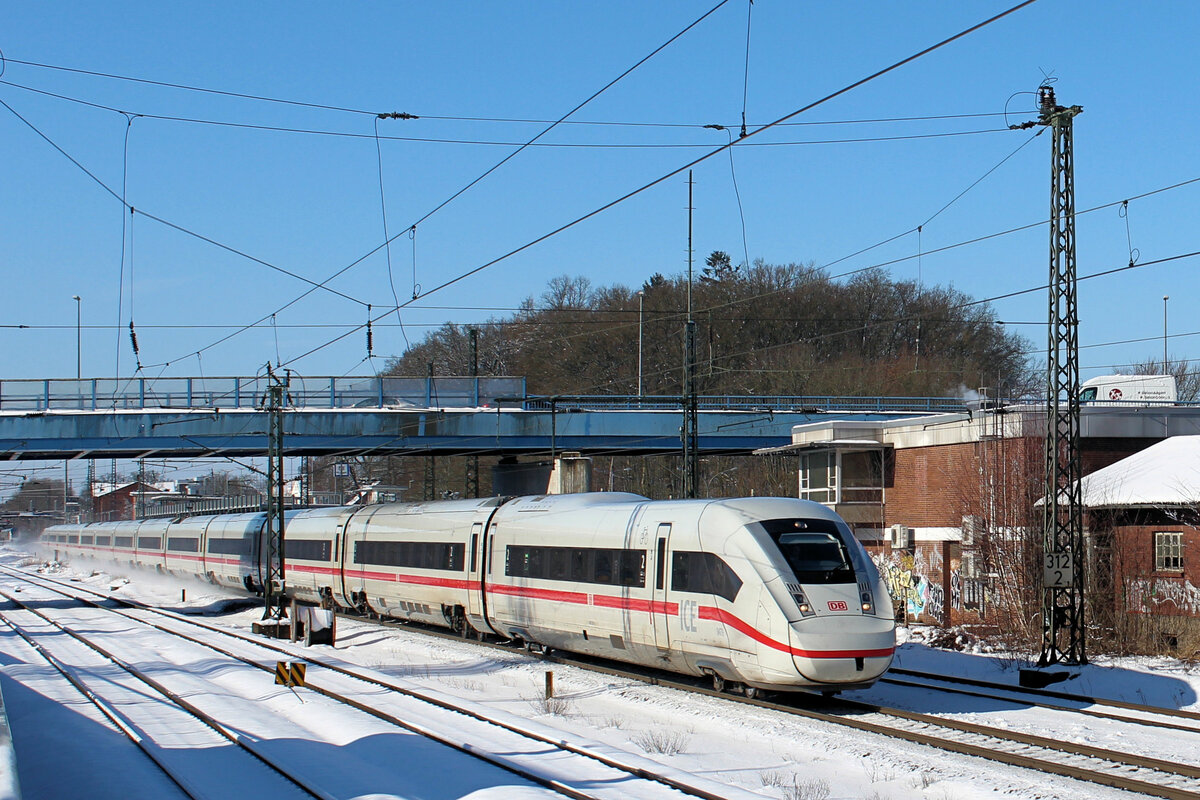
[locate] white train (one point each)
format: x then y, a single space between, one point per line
765 593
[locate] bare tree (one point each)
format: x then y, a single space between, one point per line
1187 377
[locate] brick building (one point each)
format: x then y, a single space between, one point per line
1143 515
122 502
947 504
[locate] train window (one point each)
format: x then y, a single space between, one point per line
227 547
184 544
604 567
123 541
476 529
580 564
813 548
558 564
149 543
660 564
73 539
632 568
85 539
309 549
103 541
448 556
705 573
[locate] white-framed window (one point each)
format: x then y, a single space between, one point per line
861 475
835 476
1168 551
818 477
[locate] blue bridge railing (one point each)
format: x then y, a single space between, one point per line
103 394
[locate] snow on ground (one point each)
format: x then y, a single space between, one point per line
750 748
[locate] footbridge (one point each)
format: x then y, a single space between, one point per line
197 417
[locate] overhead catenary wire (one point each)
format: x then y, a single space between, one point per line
814 104
488 172
447 117
172 225
551 145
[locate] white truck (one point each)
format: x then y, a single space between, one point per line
1128 389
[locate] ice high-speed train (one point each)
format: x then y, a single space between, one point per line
767 593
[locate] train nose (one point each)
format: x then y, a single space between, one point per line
850 648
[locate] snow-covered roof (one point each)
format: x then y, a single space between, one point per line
1164 474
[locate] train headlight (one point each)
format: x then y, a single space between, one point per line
802 603
867 598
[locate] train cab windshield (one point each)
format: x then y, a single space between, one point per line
813 548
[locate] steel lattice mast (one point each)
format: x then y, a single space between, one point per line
1062 517
273 580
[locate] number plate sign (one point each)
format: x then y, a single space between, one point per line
1059 571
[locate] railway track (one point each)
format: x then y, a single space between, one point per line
1136 713
145 721
551 763
1121 770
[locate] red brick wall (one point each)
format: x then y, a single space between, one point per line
1141 589
932 486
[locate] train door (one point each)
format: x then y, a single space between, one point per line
354 531
339 560
474 573
659 606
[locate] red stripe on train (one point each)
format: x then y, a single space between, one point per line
724 617
578 598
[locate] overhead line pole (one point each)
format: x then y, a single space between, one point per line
273 579
690 435
1063 628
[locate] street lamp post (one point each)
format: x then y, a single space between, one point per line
1166 297
78 336
641 301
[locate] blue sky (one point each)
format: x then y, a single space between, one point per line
310 204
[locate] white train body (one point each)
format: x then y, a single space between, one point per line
772 593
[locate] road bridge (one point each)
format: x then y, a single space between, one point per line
201 417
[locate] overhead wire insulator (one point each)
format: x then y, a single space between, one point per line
133 341
370 334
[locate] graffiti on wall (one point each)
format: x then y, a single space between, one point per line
1161 595
910 587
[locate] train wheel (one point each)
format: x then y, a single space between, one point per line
752 692
718 683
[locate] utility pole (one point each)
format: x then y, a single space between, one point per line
273 582
1063 630
430 464
471 484
691 459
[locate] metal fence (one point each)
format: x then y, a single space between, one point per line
102 394
746 403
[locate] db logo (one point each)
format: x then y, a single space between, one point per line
838 605
1114 394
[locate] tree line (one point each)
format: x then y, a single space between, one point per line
761 329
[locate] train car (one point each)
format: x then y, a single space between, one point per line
149 541
413 560
232 546
183 552
767 593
